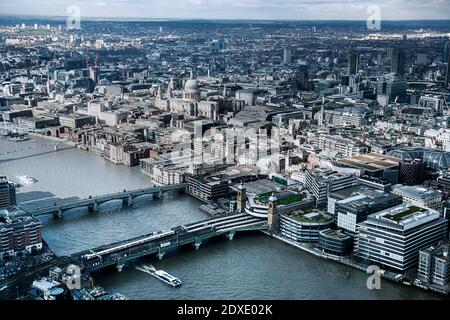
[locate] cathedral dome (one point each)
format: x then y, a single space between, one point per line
191 86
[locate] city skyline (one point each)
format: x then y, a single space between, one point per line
233 150
390 10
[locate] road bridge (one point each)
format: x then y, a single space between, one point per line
160 242
92 203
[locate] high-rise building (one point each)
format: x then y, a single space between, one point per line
287 56
19 232
393 86
419 196
412 172
446 51
322 182
398 59
434 265
355 209
301 78
393 238
353 63
94 74
447 75
7 193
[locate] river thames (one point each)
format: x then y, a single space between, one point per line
252 266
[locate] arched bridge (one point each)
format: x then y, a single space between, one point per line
93 202
159 242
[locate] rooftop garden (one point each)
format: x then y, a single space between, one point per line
335 234
402 215
317 219
290 199
282 201
264 197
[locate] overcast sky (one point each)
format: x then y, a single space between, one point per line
235 9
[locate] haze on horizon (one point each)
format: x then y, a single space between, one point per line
234 9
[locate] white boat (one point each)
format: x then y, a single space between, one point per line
161 275
27 179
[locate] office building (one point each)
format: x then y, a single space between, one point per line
434 266
393 87
375 165
412 172
19 232
341 146
433 102
446 51
7 193
419 196
345 193
447 75
74 121
301 78
209 187
335 242
287 56
356 209
393 238
443 183
304 226
398 60
353 63
322 182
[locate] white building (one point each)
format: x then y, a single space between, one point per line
191 103
343 146
421 197
436 103
437 139
393 237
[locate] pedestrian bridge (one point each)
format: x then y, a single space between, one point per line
159 242
92 203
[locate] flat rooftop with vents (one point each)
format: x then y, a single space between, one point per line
372 162
406 216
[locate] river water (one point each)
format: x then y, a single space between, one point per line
252 266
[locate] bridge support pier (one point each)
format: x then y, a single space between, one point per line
158 195
230 235
120 266
197 243
58 214
161 253
93 207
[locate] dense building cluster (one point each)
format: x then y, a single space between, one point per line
338 137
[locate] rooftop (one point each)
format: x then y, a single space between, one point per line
328 175
335 234
283 198
404 214
416 192
311 216
370 198
372 162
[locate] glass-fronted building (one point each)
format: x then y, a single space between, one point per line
393 238
434 159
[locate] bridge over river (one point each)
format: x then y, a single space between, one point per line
160 242
120 253
92 203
